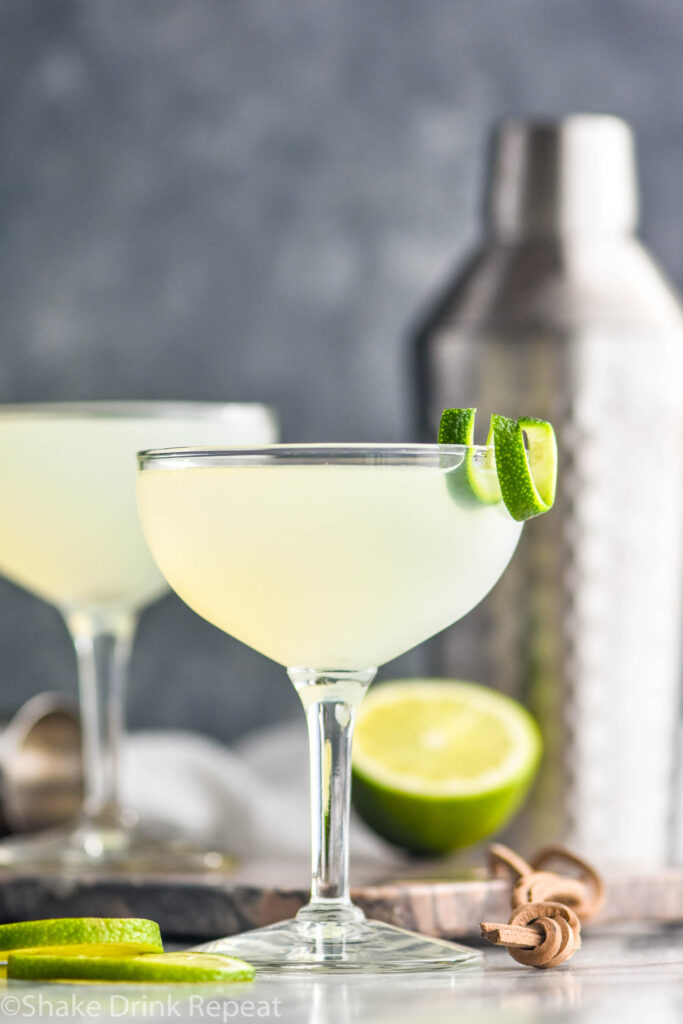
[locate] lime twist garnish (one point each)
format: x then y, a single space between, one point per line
475 481
457 426
527 473
527 476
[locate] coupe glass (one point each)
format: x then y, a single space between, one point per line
70 533
331 560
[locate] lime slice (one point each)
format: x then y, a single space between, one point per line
475 480
440 764
527 478
163 967
118 935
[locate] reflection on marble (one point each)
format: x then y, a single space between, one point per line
625 976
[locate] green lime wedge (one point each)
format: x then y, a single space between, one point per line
527 477
118 935
441 764
475 480
162 967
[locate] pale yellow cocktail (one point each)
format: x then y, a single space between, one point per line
327 566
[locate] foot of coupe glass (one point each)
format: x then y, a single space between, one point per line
361 946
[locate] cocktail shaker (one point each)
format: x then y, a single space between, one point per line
563 314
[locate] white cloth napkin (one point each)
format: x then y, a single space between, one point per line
251 798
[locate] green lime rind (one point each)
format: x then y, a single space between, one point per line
147 967
137 935
527 477
430 825
474 481
457 426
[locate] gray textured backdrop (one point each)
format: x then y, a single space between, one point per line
250 199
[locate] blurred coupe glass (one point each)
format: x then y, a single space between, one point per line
69 533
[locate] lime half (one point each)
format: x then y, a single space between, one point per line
440 764
162 967
118 935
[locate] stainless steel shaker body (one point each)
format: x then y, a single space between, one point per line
564 315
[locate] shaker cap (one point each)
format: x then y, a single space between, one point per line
574 174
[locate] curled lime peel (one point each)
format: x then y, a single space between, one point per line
474 482
527 473
525 456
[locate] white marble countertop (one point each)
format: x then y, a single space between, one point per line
623 975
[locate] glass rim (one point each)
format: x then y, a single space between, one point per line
138 408
189 457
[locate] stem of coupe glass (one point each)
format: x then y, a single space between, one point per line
330 700
103 643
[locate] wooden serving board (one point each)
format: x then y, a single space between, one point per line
208 906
